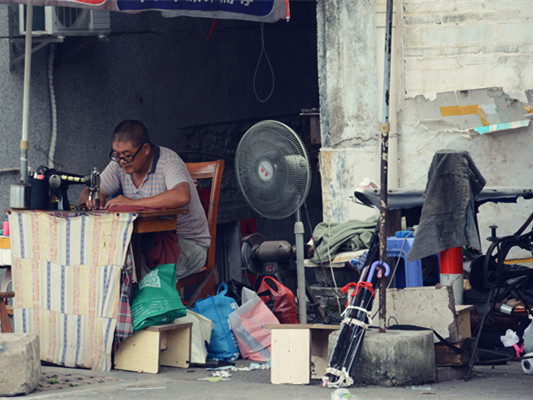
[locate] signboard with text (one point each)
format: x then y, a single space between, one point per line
253 10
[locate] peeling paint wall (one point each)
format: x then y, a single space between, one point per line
347 72
475 57
468 53
346 37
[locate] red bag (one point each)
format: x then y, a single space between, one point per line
284 304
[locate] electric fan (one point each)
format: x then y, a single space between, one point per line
274 175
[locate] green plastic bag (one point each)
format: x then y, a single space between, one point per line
156 300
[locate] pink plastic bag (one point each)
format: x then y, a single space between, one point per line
248 324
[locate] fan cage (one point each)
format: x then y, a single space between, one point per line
272 168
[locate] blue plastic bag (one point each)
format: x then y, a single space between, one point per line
223 345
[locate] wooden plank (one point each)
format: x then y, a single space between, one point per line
445 357
290 356
139 352
5 322
168 327
141 215
5 242
178 351
155 225
464 328
303 326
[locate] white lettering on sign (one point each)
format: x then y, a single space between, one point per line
246 3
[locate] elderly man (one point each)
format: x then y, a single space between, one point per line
144 174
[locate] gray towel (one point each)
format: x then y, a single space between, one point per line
448 214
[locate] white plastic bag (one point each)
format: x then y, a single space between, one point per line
200 335
528 337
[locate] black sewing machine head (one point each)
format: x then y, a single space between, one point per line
49 188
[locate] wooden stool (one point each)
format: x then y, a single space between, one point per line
299 352
157 345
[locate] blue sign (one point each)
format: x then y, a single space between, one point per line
255 9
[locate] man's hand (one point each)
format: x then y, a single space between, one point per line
90 203
120 201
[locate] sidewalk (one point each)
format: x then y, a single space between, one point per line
488 382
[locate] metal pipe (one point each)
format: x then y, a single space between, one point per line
300 270
385 129
26 93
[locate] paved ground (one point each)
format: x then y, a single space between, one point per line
488 382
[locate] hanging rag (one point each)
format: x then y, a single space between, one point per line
448 217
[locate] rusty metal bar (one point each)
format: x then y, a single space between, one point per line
385 129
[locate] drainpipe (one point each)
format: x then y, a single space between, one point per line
385 129
26 94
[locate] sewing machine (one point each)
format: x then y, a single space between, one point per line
49 188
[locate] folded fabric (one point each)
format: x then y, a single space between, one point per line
160 248
127 208
346 236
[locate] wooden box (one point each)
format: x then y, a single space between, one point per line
446 357
146 350
299 352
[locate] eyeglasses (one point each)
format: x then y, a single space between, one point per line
126 159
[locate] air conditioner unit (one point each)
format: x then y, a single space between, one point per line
65 21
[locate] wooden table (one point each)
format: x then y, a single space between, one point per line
149 222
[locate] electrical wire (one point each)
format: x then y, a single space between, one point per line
261 54
335 289
332 272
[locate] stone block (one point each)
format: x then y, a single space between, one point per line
394 358
20 365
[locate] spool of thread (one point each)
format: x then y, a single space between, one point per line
527 364
39 194
5 229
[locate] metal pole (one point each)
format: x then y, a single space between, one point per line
385 129
300 268
26 93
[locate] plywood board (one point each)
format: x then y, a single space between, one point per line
178 350
139 352
290 356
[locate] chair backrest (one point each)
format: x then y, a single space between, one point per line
210 170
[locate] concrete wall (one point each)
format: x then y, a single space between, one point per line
468 53
195 95
347 70
446 53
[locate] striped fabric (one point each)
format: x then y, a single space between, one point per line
66 277
167 170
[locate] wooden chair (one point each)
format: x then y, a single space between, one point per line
5 323
207 277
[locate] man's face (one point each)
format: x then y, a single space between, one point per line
130 158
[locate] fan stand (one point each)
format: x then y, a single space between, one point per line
300 269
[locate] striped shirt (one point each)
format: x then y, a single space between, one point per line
167 170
